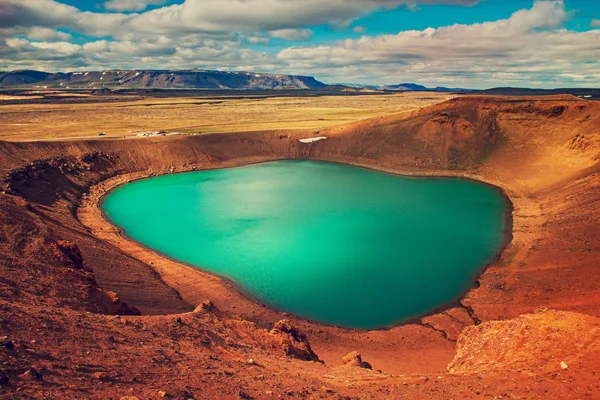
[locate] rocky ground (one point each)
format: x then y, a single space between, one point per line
72 290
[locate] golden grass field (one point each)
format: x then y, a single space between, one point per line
21 122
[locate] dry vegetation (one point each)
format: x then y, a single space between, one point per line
207 115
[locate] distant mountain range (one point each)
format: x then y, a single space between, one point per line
183 79
404 87
157 79
225 80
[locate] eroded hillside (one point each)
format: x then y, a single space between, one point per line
72 285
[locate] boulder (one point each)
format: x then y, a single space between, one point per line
354 359
293 342
67 253
117 306
31 374
6 343
101 376
206 305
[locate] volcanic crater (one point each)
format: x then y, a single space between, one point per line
89 313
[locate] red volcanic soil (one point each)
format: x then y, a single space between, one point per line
88 313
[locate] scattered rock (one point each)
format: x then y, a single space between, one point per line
101 376
556 111
206 305
43 353
117 306
67 253
354 359
205 340
293 342
162 394
564 366
7 343
31 374
285 326
4 379
244 395
251 361
449 323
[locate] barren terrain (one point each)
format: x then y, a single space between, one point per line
72 288
124 114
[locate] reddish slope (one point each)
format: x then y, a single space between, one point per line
543 152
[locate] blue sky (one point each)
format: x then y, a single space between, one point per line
474 43
435 16
410 18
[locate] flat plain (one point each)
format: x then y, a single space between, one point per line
121 116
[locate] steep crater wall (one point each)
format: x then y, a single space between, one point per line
542 152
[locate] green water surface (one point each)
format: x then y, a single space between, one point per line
333 243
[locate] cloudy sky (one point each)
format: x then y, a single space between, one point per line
457 43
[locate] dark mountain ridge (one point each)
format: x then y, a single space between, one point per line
586 93
159 79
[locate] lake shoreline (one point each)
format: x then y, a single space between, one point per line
258 311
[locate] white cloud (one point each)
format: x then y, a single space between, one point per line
59 47
195 16
23 54
531 43
544 14
292 34
532 47
258 40
131 5
359 29
253 15
46 34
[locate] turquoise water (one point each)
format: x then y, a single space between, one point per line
333 243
